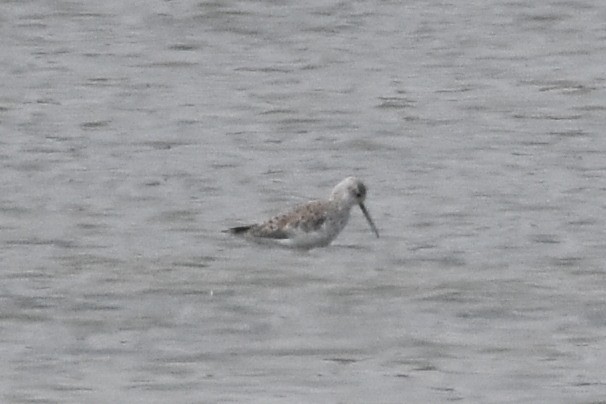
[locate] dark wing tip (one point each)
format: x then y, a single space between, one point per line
238 230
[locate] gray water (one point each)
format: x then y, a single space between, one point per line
132 133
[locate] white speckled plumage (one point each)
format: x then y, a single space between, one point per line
314 224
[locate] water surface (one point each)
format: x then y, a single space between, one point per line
132 134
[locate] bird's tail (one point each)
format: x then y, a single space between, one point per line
238 230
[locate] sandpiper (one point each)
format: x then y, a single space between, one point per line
314 224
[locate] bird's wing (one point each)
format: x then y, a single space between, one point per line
305 218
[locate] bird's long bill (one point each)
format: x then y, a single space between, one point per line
370 222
